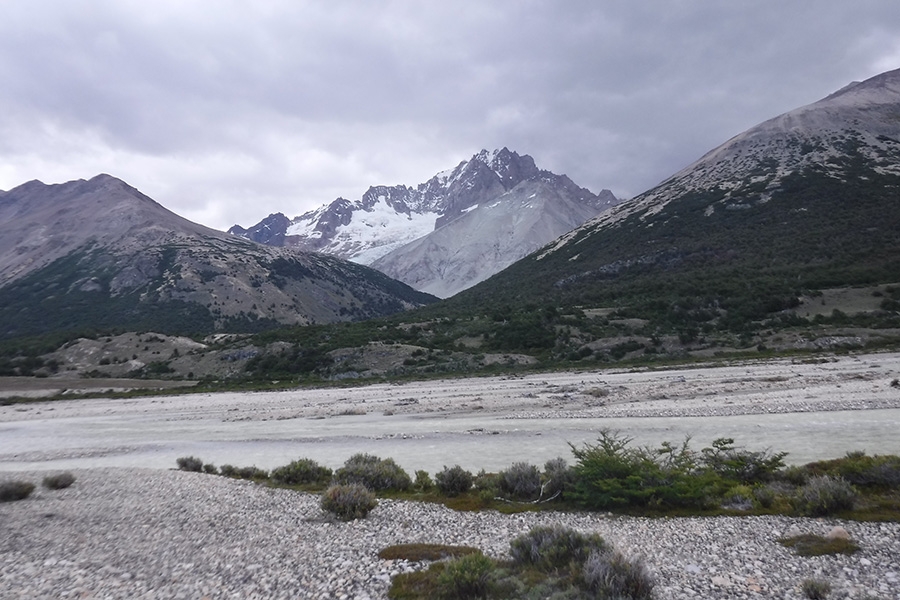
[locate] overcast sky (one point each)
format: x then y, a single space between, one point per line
225 111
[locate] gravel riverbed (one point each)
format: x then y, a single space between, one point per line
149 533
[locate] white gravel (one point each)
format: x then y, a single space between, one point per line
141 533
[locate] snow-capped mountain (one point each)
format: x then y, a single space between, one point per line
392 225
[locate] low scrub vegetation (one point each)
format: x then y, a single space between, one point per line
348 501
59 481
809 544
301 471
378 474
547 562
189 463
815 589
613 475
453 481
10 491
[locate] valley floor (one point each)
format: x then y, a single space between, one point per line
127 531
813 409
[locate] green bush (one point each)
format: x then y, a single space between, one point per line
825 495
210 469
740 497
301 471
189 463
609 574
744 466
467 577
15 490
423 481
550 547
521 481
252 473
58 481
862 470
228 471
348 501
815 589
374 473
488 483
453 481
611 474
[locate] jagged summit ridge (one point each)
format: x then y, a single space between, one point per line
386 219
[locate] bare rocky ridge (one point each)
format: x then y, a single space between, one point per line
100 253
449 233
861 117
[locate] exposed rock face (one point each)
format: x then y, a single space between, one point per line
422 235
99 253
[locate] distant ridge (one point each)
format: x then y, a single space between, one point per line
100 254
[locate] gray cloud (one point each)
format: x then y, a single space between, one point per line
225 111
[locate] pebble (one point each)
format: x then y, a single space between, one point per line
143 533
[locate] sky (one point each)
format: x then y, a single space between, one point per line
225 111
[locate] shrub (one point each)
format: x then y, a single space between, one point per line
15 490
189 463
301 471
558 477
252 473
815 589
793 475
742 465
765 496
467 577
869 471
825 495
521 480
210 469
348 501
487 483
228 471
423 481
611 474
373 472
610 574
740 497
554 547
453 481
59 481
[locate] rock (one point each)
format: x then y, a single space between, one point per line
838 533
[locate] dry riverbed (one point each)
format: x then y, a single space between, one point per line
128 532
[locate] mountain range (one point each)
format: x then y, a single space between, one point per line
449 233
743 250
100 254
804 201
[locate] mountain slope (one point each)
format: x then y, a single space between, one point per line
387 227
99 253
486 239
807 200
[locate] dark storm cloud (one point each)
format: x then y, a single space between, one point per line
225 111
